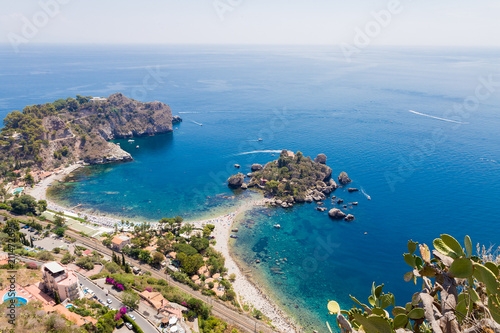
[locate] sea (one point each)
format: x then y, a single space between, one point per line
417 129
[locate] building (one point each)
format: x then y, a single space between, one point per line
118 242
98 99
57 277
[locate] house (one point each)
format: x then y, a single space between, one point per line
118 242
98 99
58 278
71 316
154 298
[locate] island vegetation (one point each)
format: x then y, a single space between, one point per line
67 130
292 178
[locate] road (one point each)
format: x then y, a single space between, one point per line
244 322
219 310
145 325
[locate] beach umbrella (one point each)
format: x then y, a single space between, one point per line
173 329
173 321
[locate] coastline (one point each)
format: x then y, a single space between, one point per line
246 289
243 286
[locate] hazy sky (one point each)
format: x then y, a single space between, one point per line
422 22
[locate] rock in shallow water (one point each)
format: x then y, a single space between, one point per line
336 214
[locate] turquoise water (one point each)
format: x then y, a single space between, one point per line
425 176
19 300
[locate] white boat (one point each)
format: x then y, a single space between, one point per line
259 139
277 226
131 140
137 146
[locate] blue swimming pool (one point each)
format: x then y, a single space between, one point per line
18 300
69 306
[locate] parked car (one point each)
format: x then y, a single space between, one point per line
129 325
109 301
131 316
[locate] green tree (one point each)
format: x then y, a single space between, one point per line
145 256
157 258
130 299
59 219
11 227
85 263
56 297
59 231
45 256
190 264
272 186
29 178
42 205
199 243
24 204
67 258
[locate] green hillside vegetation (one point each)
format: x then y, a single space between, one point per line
75 128
460 293
291 177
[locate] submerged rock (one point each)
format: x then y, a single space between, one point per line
237 166
352 189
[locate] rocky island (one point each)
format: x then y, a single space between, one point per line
69 130
293 178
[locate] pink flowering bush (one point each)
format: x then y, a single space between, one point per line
123 310
117 285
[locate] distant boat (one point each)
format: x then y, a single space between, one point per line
259 139
234 230
233 236
131 140
137 147
197 123
369 198
277 226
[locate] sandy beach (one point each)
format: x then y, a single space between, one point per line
245 289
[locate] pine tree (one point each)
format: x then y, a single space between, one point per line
123 259
56 298
31 242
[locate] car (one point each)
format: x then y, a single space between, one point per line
109 301
131 316
129 325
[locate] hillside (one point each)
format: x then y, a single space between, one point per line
68 130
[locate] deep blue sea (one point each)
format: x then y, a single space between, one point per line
425 176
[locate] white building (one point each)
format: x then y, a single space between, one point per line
98 99
57 277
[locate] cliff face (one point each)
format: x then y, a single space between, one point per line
70 130
127 118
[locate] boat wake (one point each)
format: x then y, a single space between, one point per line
197 123
259 152
187 112
365 194
443 119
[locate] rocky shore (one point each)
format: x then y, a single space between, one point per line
294 179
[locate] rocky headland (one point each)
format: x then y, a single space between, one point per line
70 130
